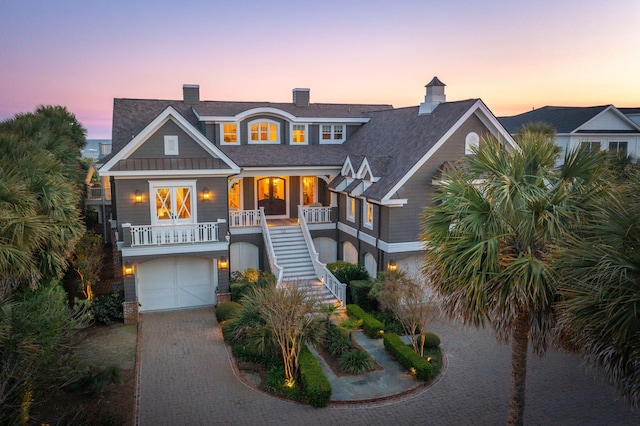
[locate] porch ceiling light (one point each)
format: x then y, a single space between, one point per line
137 196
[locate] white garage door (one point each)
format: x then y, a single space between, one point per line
175 282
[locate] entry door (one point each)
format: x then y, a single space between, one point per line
272 196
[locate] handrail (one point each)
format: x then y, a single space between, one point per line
315 214
273 260
244 218
338 289
148 235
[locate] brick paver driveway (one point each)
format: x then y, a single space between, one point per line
186 379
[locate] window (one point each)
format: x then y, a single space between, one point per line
264 131
229 133
299 133
331 133
471 141
170 145
618 146
368 215
172 204
351 209
589 145
308 190
234 196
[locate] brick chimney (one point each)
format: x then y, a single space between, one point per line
434 97
191 93
301 97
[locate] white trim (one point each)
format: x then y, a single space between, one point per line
240 183
363 236
364 169
276 111
614 110
346 167
400 247
245 230
173 249
365 210
478 106
222 141
347 229
333 139
315 189
258 141
321 226
294 171
171 145
168 114
135 174
306 134
394 202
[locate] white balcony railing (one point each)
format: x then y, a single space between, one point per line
271 254
148 235
316 214
242 218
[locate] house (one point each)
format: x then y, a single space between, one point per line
601 127
203 188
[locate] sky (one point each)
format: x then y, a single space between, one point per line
515 55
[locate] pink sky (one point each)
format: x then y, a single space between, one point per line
514 56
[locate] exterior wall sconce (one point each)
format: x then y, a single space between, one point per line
223 263
206 195
137 196
128 269
392 266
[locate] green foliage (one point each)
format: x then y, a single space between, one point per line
225 310
108 309
315 385
94 382
238 289
87 261
370 325
243 282
355 361
389 321
276 384
431 340
336 341
346 272
360 295
407 357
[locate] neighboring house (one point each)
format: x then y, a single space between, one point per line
600 127
202 188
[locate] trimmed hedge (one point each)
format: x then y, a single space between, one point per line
407 357
225 310
360 295
370 325
431 340
315 384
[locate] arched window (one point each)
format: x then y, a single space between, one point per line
264 131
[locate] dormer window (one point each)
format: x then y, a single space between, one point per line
299 134
229 133
264 131
332 133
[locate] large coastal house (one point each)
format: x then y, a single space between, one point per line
598 127
203 188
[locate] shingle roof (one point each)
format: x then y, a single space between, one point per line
225 109
285 155
395 140
563 119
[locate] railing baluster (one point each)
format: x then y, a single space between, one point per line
145 235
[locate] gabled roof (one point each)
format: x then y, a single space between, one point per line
398 142
564 119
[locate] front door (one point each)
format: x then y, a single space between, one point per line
272 196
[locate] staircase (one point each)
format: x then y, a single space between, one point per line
293 257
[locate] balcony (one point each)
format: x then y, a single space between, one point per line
156 235
252 218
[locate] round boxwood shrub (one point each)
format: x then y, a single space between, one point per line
431 340
225 310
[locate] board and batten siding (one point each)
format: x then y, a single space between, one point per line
403 223
153 147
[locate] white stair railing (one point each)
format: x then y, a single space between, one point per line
338 289
242 218
316 214
271 254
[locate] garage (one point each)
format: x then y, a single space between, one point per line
175 282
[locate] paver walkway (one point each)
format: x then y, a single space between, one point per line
186 379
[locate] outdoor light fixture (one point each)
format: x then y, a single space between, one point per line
137 196
223 263
128 269
392 266
206 194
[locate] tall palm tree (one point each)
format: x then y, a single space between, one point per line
599 313
489 238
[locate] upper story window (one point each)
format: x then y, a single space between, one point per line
368 215
618 146
351 209
299 134
332 133
471 142
229 133
590 145
264 131
170 145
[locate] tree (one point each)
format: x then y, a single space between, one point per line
410 300
87 261
490 233
599 313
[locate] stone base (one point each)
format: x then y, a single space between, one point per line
224 297
130 312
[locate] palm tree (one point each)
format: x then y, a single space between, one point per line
599 313
489 238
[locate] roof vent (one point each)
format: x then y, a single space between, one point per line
191 93
434 97
301 97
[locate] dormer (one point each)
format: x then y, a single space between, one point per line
434 97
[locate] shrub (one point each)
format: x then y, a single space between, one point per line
407 357
346 272
94 382
360 295
242 282
275 383
238 289
107 309
315 385
431 340
370 325
225 310
336 341
355 361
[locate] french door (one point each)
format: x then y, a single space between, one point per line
174 204
272 195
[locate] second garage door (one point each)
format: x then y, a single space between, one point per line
175 282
